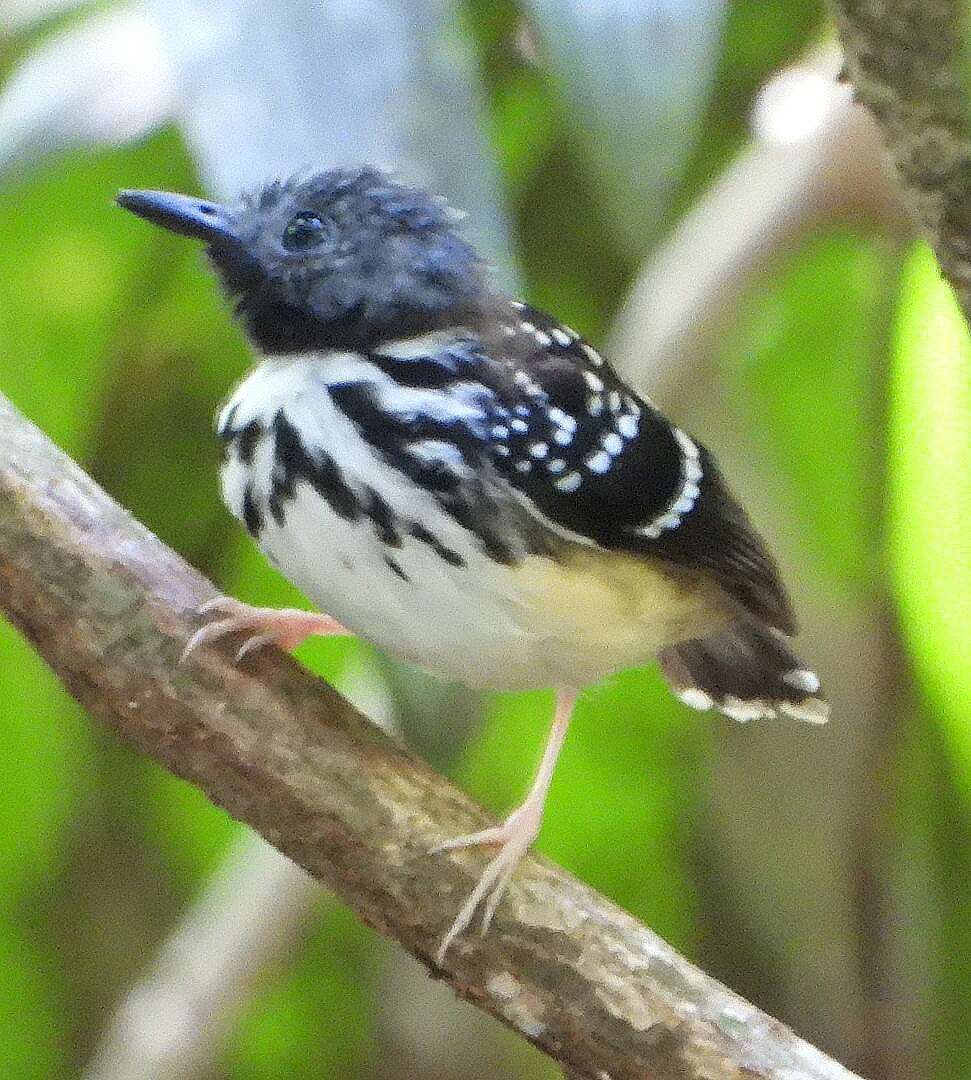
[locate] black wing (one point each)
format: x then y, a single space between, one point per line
603 464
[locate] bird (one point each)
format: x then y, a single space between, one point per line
464 481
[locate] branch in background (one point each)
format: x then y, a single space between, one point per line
171 1024
908 64
109 608
816 157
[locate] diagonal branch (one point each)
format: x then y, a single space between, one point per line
908 62
109 607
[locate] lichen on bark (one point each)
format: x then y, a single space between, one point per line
907 60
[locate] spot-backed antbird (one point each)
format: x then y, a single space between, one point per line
464 481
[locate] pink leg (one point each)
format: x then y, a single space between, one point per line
284 627
514 835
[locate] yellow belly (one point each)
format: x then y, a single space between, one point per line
598 612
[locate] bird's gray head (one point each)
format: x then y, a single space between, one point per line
343 259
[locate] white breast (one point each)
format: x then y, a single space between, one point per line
475 622
437 616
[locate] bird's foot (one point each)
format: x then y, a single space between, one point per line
514 837
284 627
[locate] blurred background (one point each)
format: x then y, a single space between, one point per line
686 182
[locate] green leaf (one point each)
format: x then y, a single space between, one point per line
314 1022
30 1011
930 494
805 374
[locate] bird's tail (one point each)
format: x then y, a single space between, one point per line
747 672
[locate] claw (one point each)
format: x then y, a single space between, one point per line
497 834
219 603
286 627
519 834
211 632
257 641
205 634
498 890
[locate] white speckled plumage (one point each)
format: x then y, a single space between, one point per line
442 614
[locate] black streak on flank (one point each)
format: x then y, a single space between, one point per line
393 434
246 440
226 432
419 532
294 463
396 569
471 517
496 549
384 521
252 515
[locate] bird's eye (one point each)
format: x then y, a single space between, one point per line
303 230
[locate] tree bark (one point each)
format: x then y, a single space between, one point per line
909 65
109 607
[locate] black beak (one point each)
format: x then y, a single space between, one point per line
199 218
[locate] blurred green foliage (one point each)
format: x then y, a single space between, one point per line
852 380
828 397
930 496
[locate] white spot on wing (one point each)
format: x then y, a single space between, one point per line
593 381
570 482
612 442
696 698
561 418
592 355
598 462
526 383
802 679
627 425
689 493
